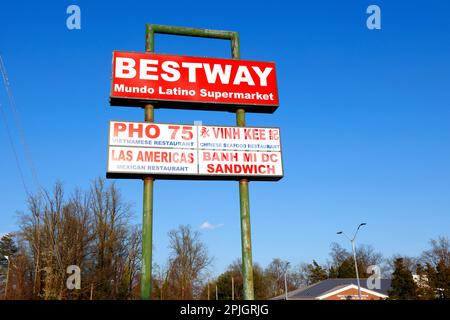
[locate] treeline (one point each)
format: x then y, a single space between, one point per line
92 230
424 277
89 229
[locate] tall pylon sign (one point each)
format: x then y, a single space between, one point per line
149 151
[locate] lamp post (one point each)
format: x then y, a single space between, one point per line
232 288
217 294
352 240
7 276
285 282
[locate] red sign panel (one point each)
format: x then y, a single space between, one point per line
193 82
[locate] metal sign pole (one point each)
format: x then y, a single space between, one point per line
244 203
246 242
147 226
147 217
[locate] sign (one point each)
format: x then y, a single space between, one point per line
152 160
240 163
173 151
239 138
171 81
145 134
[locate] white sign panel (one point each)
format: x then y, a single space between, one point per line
151 160
196 152
219 162
239 138
142 134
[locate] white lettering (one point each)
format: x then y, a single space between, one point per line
169 67
211 75
125 68
145 68
192 66
243 75
262 75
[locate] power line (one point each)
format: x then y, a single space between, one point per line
18 123
13 149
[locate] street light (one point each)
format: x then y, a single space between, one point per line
352 240
285 281
7 275
232 288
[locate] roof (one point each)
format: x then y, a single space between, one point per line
326 286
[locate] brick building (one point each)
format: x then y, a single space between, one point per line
339 289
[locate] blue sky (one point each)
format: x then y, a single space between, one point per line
364 116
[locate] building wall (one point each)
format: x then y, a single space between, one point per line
352 294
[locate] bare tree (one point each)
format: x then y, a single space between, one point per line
408 262
188 260
89 229
342 264
110 219
438 253
275 275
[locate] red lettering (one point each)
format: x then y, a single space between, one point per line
187 133
247 134
119 127
262 134
132 130
273 157
148 131
269 157
249 157
174 131
129 155
122 156
271 169
247 169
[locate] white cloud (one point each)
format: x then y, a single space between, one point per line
208 226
